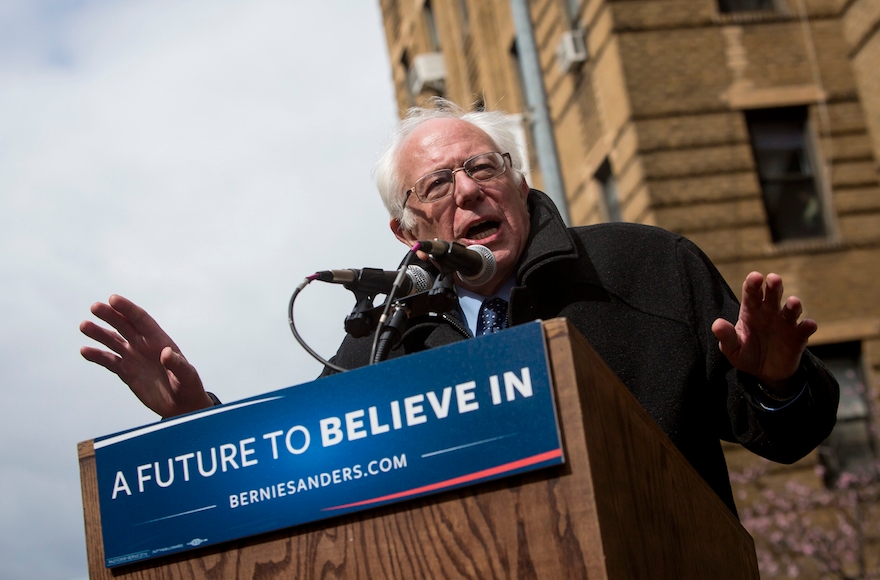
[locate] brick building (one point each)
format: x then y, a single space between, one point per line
750 126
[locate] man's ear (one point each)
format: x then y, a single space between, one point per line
401 234
524 188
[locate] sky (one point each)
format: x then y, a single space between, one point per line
200 158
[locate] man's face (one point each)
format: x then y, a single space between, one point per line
492 213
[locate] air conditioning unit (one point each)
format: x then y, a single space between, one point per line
427 71
572 49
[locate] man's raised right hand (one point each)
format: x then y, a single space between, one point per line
146 359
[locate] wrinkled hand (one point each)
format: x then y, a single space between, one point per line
146 358
767 341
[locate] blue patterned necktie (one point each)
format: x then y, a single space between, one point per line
492 317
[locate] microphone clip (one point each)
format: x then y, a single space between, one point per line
365 284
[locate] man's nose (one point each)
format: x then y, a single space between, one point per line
467 190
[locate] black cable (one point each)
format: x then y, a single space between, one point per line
389 301
296 335
391 334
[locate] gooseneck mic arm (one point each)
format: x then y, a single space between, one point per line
389 331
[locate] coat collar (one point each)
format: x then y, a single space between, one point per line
548 241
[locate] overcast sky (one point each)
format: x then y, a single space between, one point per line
198 157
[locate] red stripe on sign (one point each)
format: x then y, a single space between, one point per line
513 465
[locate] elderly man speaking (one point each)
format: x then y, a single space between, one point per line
704 366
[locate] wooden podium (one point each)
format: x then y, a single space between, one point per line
625 505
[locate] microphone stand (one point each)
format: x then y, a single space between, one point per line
440 298
364 317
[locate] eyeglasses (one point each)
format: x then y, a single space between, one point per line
437 185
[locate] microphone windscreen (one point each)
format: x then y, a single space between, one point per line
420 277
487 272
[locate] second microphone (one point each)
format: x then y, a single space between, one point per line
373 281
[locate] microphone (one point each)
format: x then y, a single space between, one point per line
475 264
374 281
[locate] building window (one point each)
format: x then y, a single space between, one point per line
406 65
572 10
518 90
782 147
851 447
609 192
465 17
431 25
726 6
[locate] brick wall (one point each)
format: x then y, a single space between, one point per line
663 97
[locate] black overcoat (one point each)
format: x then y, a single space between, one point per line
646 299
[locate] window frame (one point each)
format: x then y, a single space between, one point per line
735 6
855 410
775 188
604 176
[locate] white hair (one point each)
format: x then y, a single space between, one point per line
387 171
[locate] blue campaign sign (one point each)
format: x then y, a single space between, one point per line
454 416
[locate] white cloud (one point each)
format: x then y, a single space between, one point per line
200 158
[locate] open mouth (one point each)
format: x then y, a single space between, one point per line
482 230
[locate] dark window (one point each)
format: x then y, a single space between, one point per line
782 147
465 16
516 67
433 37
609 192
573 12
745 5
850 447
407 66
